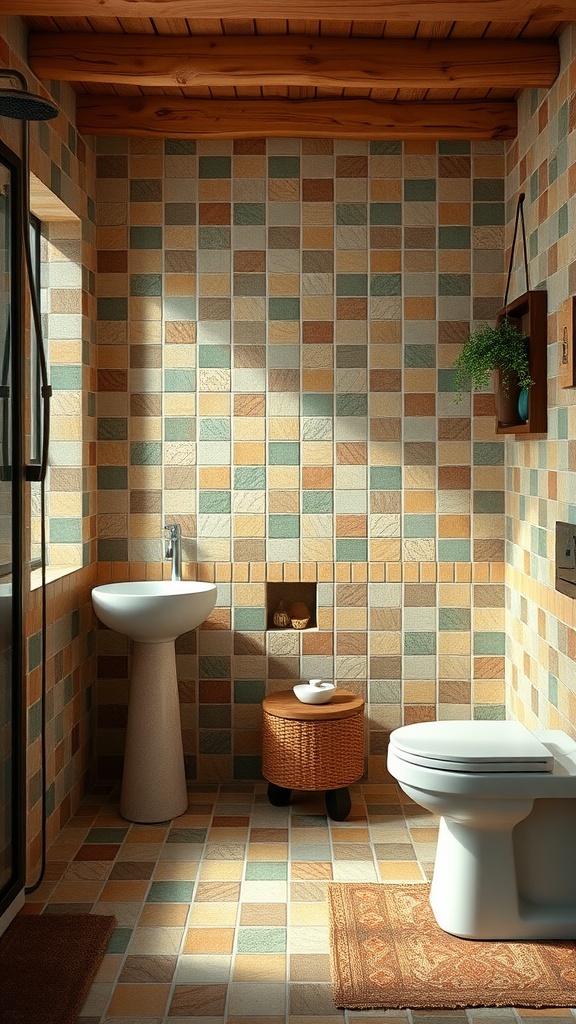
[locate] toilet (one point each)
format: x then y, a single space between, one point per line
505 864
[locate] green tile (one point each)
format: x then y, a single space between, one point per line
385 284
146 453
489 502
419 525
66 378
452 146
180 380
552 170
283 167
420 643
214 666
384 148
317 502
266 871
212 237
112 309
180 214
284 453
490 643
351 550
488 190
563 119
249 213
489 713
351 213
488 453
385 691
179 147
145 238
119 940
280 526
211 356
179 307
65 531
418 190
112 428
112 478
317 404
486 214
454 237
454 284
385 478
534 186
352 405
261 940
249 691
553 689
106 835
250 478
563 220
34 720
196 836
214 502
215 716
454 620
179 428
420 356
215 741
215 167
386 213
247 766
453 550
351 284
112 549
351 356
146 284
170 892
248 619
146 190
284 308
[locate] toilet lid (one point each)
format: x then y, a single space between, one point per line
472 747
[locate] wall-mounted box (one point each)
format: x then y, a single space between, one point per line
567 338
566 558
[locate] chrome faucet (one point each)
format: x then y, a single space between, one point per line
173 548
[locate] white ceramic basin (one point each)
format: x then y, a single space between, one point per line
153 611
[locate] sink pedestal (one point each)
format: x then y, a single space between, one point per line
154 779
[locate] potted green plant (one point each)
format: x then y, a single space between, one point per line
501 349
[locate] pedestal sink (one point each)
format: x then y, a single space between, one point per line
153 614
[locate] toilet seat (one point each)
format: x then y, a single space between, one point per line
475 747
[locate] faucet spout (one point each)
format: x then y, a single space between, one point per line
174 549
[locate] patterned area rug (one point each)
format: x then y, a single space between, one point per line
387 952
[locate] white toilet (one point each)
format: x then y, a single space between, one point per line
506 859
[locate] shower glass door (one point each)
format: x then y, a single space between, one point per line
11 681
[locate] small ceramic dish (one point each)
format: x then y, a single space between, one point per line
317 691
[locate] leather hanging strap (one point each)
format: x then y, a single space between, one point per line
519 218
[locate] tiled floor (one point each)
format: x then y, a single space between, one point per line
221 914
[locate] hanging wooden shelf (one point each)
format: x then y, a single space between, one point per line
529 312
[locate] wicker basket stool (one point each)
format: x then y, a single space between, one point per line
313 747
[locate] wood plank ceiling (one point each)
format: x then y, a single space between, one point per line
391 78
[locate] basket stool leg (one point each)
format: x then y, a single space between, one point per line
338 803
278 795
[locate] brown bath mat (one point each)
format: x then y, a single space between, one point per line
47 965
387 952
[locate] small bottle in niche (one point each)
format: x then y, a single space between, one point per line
281 617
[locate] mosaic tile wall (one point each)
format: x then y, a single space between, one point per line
66 164
541 482
277 322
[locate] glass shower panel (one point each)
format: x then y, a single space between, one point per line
11 810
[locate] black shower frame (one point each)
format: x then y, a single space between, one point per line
18 690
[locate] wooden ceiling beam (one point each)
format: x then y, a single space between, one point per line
344 10
171 117
294 60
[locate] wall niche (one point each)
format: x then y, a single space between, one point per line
290 593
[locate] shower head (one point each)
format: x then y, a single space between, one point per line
21 104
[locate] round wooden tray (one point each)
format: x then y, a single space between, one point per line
285 704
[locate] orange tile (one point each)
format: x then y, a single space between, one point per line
124 892
209 940
148 1000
